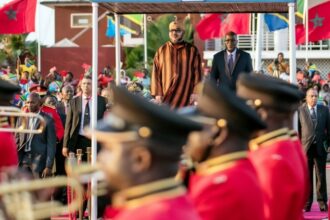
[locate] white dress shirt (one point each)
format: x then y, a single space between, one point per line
310 109
83 103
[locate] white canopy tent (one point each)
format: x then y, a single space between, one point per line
181 6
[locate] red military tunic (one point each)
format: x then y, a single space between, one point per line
160 200
281 174
227 188
8 148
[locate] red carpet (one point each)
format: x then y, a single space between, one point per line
315 213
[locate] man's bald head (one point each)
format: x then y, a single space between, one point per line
67 92
311 97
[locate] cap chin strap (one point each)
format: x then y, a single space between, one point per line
217 139
209 147
206 153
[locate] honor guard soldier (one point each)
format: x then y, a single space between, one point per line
225 184
141 148
8 155
279 163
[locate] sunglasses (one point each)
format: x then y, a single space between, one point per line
230 40
176 31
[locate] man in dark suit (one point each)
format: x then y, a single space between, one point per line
314 130
229 63
62 107
78 116
36 152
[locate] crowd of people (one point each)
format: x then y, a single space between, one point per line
307 77
217 147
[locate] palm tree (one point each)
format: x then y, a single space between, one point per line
12 46
157 34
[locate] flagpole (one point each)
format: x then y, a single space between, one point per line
39 34
292 43
292 54
95 12
306 17
253 39
259 41
145 41
117 47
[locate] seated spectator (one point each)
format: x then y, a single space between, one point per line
104 80
36 78
49 79
68 79
324 94
317 87
135 88
317 77
108 95
285 76
24 78
54 88
310 68
276 69
28 66
39 89
279 63
300 75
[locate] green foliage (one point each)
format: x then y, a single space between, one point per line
134 56
189 31
14 46
157 34
134 59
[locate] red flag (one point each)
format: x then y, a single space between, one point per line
217 25
18 17
318 24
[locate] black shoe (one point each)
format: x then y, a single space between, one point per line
307 208
324 208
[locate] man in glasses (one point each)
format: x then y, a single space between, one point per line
176 70
229 63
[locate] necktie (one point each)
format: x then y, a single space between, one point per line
66 107
86 114
313 116
231 63
30 125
